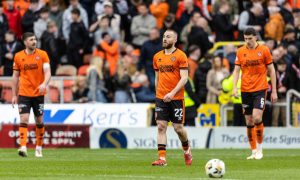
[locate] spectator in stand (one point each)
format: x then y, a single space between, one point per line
130 55
67 18
286 11
214 79
199 37
200 77
78 40
141 26
14 18
187 29
283 77
289 38
50 44
22 6
122 81
30 16
41 24
96 81
297 27
149 48
80 90
101 26
194 53
275 26
159 9
223 25
251 18
108 50
140 85
119 6
189 9
233 8
89 6
170 23
8 50
56 14
270 43
230 55
114 19
3 24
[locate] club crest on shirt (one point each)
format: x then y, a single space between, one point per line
173 58
37 57
259 53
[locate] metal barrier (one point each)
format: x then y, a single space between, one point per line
226 107
289 96
54 80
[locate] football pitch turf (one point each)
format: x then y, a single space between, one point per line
136 164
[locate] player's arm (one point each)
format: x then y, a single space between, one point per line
271 71
236 75
15 86
184 74
47 75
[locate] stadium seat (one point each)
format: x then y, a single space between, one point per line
83 70
87 58
6 91
66 70
68 94
54 94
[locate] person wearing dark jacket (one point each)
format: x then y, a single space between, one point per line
78 40
223 25
8 51
199 37
191 102
50 44
30 16
3 24
149 48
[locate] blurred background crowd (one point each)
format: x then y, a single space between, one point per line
107 45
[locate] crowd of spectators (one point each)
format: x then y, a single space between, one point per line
114 41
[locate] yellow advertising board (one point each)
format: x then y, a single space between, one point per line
296 114
208 115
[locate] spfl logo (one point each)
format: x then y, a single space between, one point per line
113 138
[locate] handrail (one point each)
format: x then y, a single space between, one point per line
289 95
226 107
53 78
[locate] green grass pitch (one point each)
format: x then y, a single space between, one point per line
136 164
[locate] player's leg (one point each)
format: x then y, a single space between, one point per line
259 106
247 104
178 116
38 109
24 110
161 117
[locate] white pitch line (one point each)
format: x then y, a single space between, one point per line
152 177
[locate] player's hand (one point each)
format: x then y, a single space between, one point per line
14 101
274 97
168 97
235 93
42 88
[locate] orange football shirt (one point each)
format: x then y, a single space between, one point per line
168 67
31 71
253 63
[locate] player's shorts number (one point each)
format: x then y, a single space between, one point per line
262 102
178 112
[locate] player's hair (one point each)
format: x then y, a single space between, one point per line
27 35
174 32
250 31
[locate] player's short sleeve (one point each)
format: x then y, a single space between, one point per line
268 56
237 59
183 62
16 65
45 58
155 67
